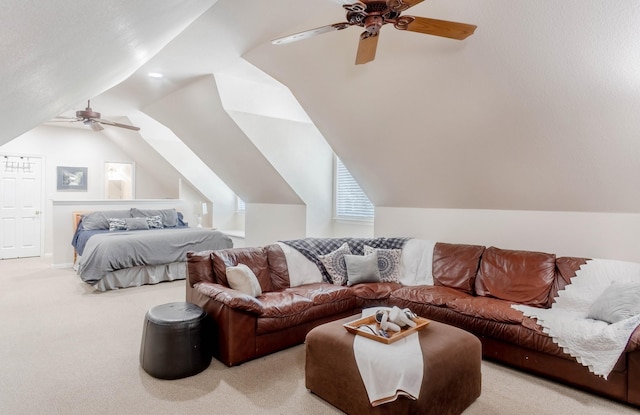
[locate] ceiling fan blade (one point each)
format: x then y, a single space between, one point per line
309 33
367 48
443 28
116 124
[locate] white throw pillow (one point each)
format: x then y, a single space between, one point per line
618 302
241 278
335 265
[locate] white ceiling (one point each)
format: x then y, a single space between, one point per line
538 110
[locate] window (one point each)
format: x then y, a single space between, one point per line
351 202
240 206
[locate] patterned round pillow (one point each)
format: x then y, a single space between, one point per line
388 262
335 265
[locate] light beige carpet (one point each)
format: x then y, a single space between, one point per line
65 349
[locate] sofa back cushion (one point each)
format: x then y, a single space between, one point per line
456 265
253 257
278 267
199 267
520 276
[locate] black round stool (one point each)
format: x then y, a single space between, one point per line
175 341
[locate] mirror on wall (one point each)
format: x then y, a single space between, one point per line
118 180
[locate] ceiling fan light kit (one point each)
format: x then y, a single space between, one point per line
373 14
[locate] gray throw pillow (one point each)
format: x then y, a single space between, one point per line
169 216
362 268
134 224
618 302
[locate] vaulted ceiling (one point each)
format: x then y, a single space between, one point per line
538 110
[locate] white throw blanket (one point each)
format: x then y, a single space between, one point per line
595 344
389 370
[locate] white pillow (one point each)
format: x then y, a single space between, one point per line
301 269
335 265
618 302
241 278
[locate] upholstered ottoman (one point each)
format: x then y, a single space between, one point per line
175 341
451 378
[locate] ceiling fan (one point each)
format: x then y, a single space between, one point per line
92 119
372 15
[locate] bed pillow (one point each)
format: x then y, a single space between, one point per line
153 222
389 261
241 278
100 219
362 268
117 224
134 224
334 264
169 216
618 302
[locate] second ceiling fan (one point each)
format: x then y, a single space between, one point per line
372 15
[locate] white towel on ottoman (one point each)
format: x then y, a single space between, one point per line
389 370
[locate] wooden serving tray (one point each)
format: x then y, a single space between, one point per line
352 327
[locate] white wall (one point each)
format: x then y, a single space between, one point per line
269 223
592 235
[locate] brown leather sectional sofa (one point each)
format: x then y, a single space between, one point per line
473 290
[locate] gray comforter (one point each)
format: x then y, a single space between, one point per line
112 251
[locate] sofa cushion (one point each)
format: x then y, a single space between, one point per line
277 267
322 293
283 303
523 277
242 279
456 265
487 308
618 302
362 268
429 294
334 264
375 290
254 257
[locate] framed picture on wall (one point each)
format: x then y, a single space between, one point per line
72 178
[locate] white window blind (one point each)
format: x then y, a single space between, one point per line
240 206
351 202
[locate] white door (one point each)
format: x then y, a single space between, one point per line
20 206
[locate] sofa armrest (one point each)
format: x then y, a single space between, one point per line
230 297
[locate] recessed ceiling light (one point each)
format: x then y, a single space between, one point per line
155 75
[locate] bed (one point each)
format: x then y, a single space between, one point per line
128 248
